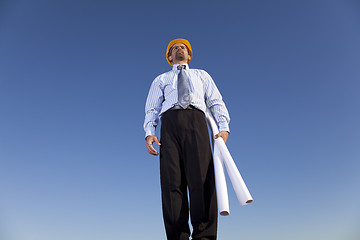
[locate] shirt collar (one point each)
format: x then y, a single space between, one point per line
175 66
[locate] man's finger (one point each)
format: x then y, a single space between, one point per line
223 135
157 142
151 149
149 144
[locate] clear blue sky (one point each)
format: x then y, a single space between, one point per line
74 77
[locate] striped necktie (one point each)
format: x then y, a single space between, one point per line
184 96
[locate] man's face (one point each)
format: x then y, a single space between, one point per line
179 52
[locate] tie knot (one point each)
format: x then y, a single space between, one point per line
181 67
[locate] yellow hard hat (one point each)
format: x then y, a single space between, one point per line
179 40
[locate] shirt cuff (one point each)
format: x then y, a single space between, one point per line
150 132
224 126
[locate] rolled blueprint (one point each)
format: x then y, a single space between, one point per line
222 157
220 183
242 192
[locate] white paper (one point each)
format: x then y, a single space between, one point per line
220 182
222 157
242 192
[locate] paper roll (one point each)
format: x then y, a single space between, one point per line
242 192
220 182
222 156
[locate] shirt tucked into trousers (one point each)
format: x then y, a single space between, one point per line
186 163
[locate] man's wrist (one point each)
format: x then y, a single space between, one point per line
224 126
149 133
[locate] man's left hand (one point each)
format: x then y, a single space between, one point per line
223 134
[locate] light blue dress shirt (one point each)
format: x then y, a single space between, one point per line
163 95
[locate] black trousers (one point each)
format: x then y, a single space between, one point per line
186 163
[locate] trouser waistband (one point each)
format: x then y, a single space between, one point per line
177 107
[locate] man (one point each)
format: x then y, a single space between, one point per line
179 98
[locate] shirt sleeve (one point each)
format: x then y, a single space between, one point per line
153 107
214 102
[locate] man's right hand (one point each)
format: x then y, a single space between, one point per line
149 144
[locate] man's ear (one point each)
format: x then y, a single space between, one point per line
170 58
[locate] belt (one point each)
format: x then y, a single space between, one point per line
177 107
